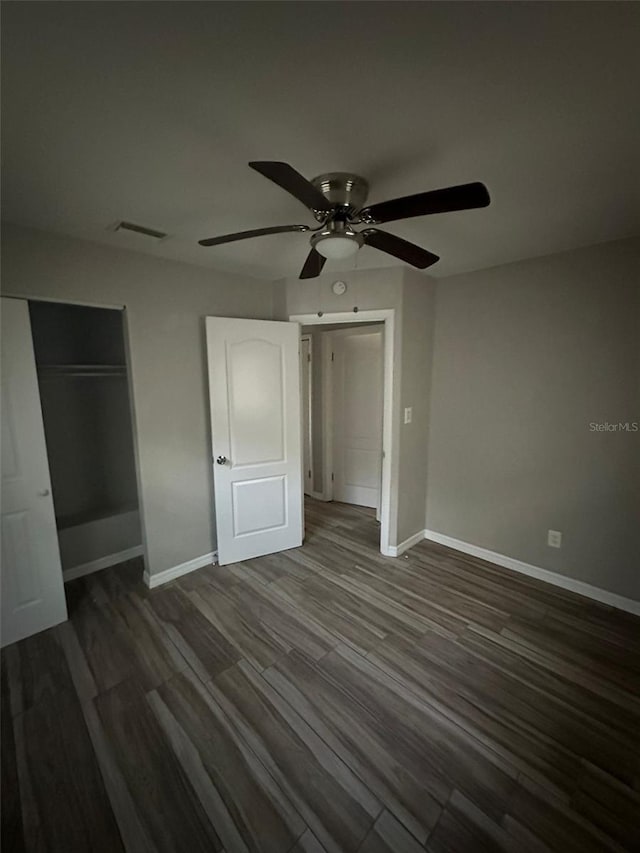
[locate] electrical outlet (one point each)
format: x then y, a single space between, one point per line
554 539
408 415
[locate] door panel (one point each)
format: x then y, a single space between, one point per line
256 402
357 408
259 505
32 587
254 382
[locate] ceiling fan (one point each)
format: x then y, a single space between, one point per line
337 201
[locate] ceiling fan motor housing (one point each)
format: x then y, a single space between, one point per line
344 190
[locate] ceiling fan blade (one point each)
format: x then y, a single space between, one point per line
257 232
313 265
463 197
293 182
399 248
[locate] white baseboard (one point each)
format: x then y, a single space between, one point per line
101 563
396 550
174 572
573 585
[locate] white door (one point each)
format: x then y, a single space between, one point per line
254 383
357 416
32 587
307 441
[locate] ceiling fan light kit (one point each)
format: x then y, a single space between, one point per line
336 241
337 248
337 200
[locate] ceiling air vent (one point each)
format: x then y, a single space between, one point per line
140 229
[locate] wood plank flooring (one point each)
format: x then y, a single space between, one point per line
325 699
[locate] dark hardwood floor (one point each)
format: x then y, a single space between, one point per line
325 699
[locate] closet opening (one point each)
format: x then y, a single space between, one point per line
83 381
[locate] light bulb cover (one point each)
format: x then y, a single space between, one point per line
337 246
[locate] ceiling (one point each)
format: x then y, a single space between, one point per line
150 111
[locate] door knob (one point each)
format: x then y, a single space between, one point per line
43 493
221 460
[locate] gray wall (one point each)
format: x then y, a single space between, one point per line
165 304
418 318
526 357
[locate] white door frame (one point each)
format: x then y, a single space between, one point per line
386 316
327 417
308 403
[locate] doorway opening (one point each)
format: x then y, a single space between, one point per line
346 387
84 393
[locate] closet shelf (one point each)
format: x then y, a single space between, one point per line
88 370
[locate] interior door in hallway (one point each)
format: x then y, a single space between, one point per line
254 381
357 415
32 587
